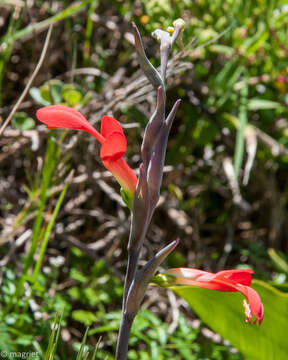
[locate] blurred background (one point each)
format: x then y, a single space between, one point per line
224 192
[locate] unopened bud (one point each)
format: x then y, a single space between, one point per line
170 30
180 23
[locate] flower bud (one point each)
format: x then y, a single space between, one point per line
179 23
170 30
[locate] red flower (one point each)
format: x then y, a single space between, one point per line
227 280
112 139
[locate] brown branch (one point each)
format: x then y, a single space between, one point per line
27 87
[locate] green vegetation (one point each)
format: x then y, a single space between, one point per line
63 225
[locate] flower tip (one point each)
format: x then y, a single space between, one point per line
259 314
175 242
180 23
40 113
159 90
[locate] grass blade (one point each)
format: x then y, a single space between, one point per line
81 351
239 147
54 338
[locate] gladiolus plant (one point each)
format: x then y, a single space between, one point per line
144 192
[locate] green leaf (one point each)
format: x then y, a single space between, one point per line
222 49
21 121
83 316
48 94
261 104
25 340
71 95
6 342
37 96
11 319
55 87
51 92
77 275
279 260
224 314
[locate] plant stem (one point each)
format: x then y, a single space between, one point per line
127 319
133 257
124 335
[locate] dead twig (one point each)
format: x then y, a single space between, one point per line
27 87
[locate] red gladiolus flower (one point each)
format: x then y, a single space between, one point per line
227 280
112 139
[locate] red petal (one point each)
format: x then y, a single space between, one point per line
241 276
255 305
123 174
188 273
64 117
229 277
110 125
219 286
227 280
114 147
